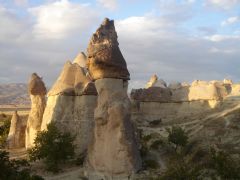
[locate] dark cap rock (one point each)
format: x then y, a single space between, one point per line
105 59
36 86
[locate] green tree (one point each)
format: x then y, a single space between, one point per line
177 136
15 169
53 146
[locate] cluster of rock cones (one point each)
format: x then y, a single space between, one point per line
89 99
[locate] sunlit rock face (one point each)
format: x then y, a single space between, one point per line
113 152
182 92
71 102
37 91
16 135
81 60
105 59
155 82
181 102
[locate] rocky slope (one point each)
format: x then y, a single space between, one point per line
14 93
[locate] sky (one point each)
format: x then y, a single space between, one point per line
179 40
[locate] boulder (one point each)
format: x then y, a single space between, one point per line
105 59
16 135
37 92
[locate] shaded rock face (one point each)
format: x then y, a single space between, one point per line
152 94
37 92
105 59
16 136
71 102
36 85
114 151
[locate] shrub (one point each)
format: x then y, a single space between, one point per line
155 122
146 138
53 146
156 144
15 169
151 164
177 136
144 151
225 166
180 169
4 130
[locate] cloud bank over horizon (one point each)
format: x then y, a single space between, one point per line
179 40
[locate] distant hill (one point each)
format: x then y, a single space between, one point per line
14 94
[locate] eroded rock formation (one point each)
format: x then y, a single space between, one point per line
157 91
104 56
16 135
37 91
155 82
113 153
71 103
181 102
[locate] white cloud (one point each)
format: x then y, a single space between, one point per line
223 4
227 51
61 19
46 54
21 2
109 4
151 45
12 27
231 20
219 37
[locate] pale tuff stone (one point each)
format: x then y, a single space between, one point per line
175 85
72 81
38 103
16 135
155 82
182 92
71 103
202 90
72 114
113 153
105 59
81 60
